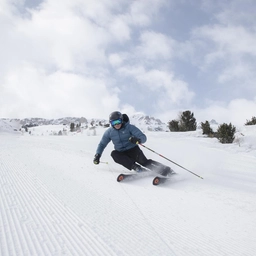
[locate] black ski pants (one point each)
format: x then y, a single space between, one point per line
135 155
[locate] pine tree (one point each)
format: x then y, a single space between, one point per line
226 133
251 122
72 127
187 121
173 126
207 130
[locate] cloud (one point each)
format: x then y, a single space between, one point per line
155 46
225 51
55 36
142 12
34 92
56 62
172 90
90 57
238 13
67 40
236 111
238 71
230 39
120 29
115 59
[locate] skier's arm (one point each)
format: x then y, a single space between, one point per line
103 143
137 135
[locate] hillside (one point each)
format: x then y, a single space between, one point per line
55 201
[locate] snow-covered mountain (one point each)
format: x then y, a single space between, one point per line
10 125
143 122
148 123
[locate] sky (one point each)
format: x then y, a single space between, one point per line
157 57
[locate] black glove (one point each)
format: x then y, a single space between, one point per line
96 159
134 140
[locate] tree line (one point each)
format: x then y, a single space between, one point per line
187 122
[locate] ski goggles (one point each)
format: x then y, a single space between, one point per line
115 122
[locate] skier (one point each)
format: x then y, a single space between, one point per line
126 138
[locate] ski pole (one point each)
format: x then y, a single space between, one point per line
171 161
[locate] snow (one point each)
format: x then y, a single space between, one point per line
9 126
55 201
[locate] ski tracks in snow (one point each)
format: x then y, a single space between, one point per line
34 222
55 202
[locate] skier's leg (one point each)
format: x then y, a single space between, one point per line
123 159
137 155
158 167
129 158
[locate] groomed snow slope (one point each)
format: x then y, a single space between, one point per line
55 201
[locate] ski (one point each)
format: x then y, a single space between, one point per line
124 176
162 178
159 180
131 176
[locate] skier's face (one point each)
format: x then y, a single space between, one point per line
118 126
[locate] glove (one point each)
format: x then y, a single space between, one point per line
134 140
96 159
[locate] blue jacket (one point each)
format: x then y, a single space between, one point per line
120 138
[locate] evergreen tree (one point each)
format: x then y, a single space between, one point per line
207 130
187 121
251 122
226 133
173 126
72 127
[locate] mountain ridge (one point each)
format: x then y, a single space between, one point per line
144 122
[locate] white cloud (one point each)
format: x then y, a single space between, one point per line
230 39
172 90
142 12
226 53
155 46
238 71
106 55
33 92
120 29
56 37
237 13
236 111
56 63
66 39
115 59
127 109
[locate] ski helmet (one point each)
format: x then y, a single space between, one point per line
115 116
